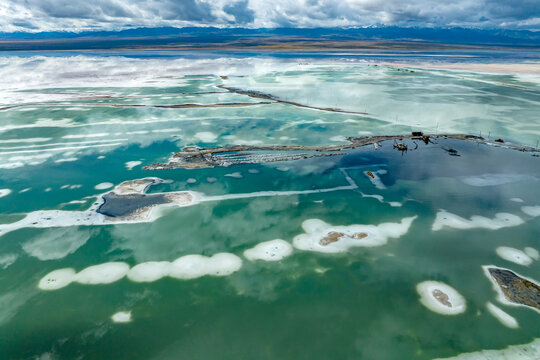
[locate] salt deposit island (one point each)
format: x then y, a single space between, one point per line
130 202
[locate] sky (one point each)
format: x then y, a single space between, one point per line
82 15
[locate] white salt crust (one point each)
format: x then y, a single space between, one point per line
533 211
185 267
194 266
495 179
427 298
57 279
206 136
149 271
103 273
500 295
380 198
131 164
61 218
273 250
4 192
122 317
25 140
504 318
529 351
532 252
514 255
103 186
501 220
71 159
377 235
235 175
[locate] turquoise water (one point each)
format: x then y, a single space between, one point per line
68 133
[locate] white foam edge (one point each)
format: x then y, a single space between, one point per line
377 235
425 290
447 219
513 255
272 250
500 296
503 317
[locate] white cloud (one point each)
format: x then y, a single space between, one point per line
77 15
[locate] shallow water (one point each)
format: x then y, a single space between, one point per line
61 140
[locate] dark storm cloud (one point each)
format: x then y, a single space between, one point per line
189 10
242 14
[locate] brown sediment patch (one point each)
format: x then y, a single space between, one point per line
359 236
441 297
516 289
331 237
334 236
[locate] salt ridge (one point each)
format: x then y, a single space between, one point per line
504 318
455 300
273 250
446 219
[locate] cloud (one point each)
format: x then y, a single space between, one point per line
76 15
241 12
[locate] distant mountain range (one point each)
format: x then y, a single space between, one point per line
210 37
